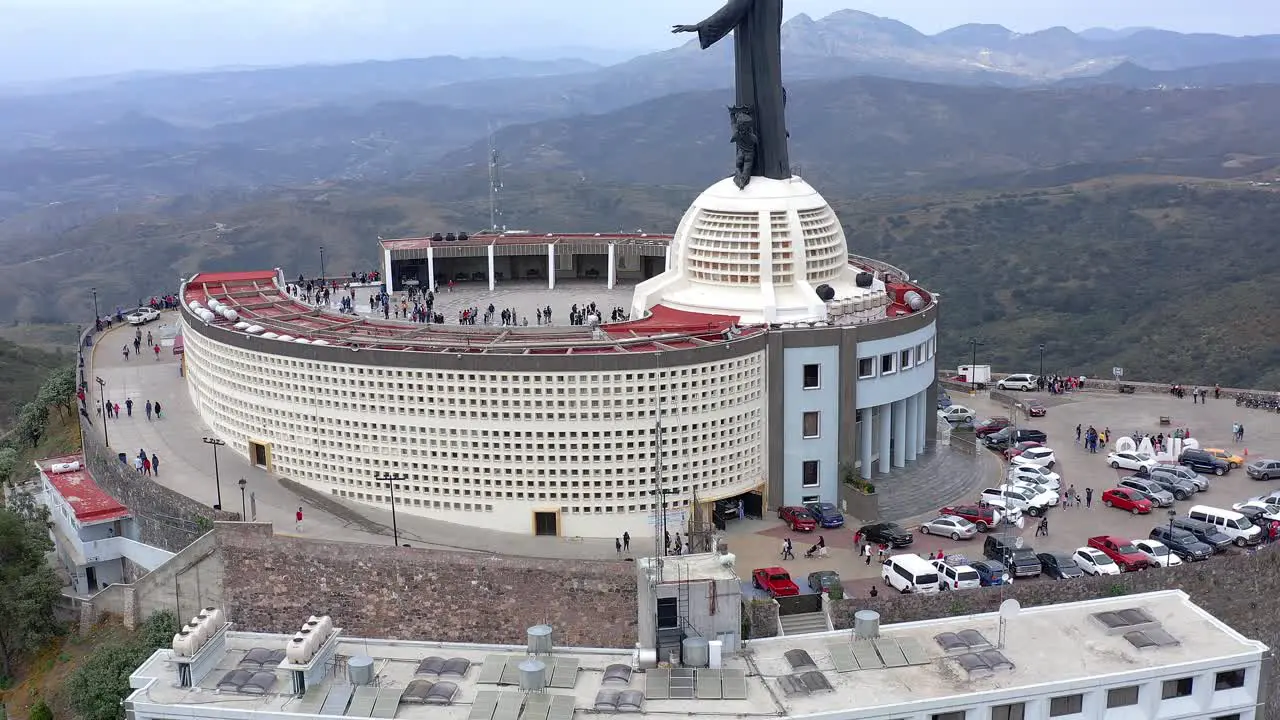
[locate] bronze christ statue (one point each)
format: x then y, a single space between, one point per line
760 107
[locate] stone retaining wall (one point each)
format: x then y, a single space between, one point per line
762 617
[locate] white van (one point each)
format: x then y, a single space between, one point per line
1234 525
910 574
1018 381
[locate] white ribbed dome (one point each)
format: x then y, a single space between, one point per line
759 253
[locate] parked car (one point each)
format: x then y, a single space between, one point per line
956 414
988 426
798 518
1009 496
944 399
1180 472
1201 461
1059 566
1271 498
1259 513
1005 437
1095 562
1234 525
952 526
1042 456
983 518
1014 451
891 534
1182 543
1158 496
1263 469
775 580
1127 499
990 572
827 515
142 316
1017 381
1035 408
1040 495
1158 554
956 577
1140 463
823 580
1204 532
1232 460
1021 561
1125 554
1035 473
1180 489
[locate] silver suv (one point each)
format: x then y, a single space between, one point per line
1157 495
1181 472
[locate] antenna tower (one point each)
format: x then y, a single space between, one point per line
496 223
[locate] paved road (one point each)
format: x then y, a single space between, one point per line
757 543
186 464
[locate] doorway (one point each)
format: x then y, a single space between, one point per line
260 454
91 578
546 523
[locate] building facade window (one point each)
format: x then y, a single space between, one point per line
1122 696
1229 680
1013 711
904 359
809 476
806 499
953 715
866 368
812 424
1066 705
1179 688
888 364
812 377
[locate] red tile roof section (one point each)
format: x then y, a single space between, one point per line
90 503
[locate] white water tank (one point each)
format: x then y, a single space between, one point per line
230 314
540 641
913 299
254 329
197 635
360 670
325 624
206 315
270 335
242 325
312 640
286 338
195 305
182 644
302 341
697 652
866 624
319 342
297 651
215 619
59 468
533 676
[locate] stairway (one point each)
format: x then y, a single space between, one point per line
802 623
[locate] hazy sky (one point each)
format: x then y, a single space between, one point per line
41 39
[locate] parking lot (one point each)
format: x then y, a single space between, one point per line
758 543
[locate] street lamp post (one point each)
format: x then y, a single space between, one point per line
217 479
102 400
1042 362
1172 514
321 263
244 508
96 315
391 481
973 366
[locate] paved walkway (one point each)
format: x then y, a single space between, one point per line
525 297
186 464
940 477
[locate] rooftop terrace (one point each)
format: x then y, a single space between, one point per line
792 676
90 503
525 238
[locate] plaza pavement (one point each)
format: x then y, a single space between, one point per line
525 296
757 543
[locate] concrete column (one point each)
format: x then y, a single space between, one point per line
386 270
865 442
666 263
900 433
551 266
913 427
924 416
886 431
613 270
431 269
490 249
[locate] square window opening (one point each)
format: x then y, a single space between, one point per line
1179 688
809 474
812 377
1066 705
1122 697
812 424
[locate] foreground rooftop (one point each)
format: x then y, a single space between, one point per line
90 503
799 676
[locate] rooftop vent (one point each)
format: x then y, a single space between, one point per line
436 666
617 674
540 639
533 676
964 641
1119 622
360 670
262 658
984 664
805 683
619 701
425 692
800 660
1151 638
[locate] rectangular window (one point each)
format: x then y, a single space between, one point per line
668 612
1066 705
812 377
922 352
1229 680
953 715
811 424
1122 696
1177 688
887 366
806 499
904 359
1232 716
1015 711
809 473
866 368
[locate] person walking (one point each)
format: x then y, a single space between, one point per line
866 552
126 353
128 405
156 407
626 541
116 411
148 410
1088 498
146 466
297 526
157 349
137 465
155 464
617 545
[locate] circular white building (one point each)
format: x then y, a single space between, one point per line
764 360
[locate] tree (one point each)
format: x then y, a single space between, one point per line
40 711
96 689
32 420
8 462
29 589
59 390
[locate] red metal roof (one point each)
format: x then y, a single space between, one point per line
258 300
522 239
90 503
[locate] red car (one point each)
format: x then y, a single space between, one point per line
1035 409
1126 499
776 581
798 518
1016 450
983 517
983 428
1124 552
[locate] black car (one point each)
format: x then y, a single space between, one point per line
1010 436
1204 532
891 534
1179 488
1201 461
1022 562
1059 566
1182 543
